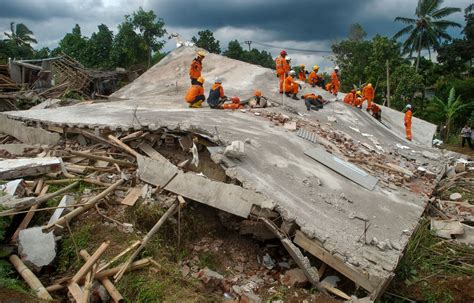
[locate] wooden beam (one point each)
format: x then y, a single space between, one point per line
316 249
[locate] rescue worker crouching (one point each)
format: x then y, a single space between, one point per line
196 67
258 100
358 99
376 111
195 95
216 94
291 87
313 101
350 97
314 79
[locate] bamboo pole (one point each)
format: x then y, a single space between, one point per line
123 146
90 262
84 208
147 238
30 278
58 285
29 216
109 286
125 251
43 209
96 157
75 291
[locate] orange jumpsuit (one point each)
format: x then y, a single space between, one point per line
407 118
195 96
302 75
195 70
358 102
329 87
313 78
368 94
335 82
376 111
291 87
349 98
282 69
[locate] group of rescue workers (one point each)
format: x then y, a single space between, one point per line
288 86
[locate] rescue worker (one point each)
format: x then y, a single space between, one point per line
314 79
407 119
258 100
235 104
368 94
358 99
291 87
195 95
350 97
196 67
282 68
376 111
329 87
216 94
302 73
335 81
315 101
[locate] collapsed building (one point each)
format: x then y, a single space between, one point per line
336 183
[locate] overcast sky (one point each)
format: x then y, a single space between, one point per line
302 24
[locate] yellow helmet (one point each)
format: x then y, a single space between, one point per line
201 54
200 80
359 92
315 67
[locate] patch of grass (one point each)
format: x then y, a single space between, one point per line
67 258
144 216
143 289
7 280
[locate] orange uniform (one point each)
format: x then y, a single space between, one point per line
282 69
376 111
335 82
407 118
195 69
368 94
358 102
329 87
302 75
194 93
350 98
291 87
313 78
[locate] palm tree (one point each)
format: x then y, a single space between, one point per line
448 109
428 29
20 35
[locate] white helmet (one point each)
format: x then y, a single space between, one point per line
292 72
218 80
408 106
287 58
336 68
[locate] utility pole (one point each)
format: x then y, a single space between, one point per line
249 43
388 84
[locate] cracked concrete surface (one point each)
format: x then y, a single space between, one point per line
275 164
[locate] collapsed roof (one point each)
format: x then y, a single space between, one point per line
311 177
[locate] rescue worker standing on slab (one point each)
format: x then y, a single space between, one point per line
368 94
302 73
195 95
216 95
407 119
282 68
291 87
335 81
196 67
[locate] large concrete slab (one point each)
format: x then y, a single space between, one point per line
275 166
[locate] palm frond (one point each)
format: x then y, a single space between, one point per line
451 96
12 27
445 11
403 31
469 8
446 23
405 20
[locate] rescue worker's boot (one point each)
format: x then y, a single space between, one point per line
287 94
295 97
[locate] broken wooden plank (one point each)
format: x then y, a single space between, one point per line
132 196
123 146
26 134
313 247
25 167
30 278
102 158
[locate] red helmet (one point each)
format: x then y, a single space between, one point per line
235 100
283 53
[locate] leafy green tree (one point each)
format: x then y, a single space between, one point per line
42 53
207 41
128 48
254 56
406 82
150 29
18 42
428 29
234 50
99 47
356 32
449 109
73 44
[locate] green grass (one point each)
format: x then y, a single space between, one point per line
7 278
67 258
142 289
